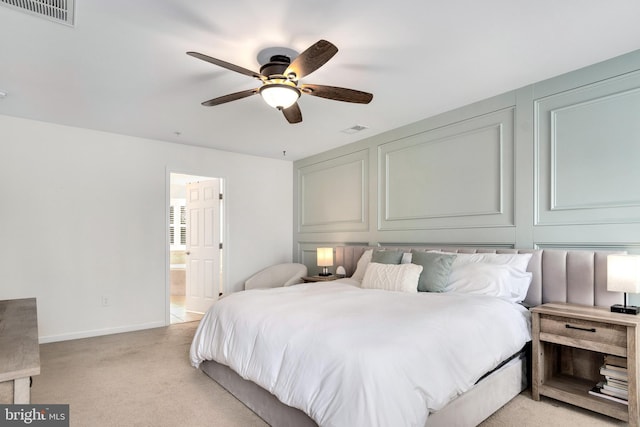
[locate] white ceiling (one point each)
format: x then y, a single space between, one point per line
123 67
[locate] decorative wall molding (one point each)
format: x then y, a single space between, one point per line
599 246
587 154
567 176
628 104
460 175
333 194
451 244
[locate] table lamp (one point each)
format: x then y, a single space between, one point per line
623 275
325 260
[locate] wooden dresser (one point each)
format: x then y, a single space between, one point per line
19 347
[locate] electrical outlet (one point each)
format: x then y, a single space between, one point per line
104 301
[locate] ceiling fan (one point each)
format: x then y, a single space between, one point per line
280 78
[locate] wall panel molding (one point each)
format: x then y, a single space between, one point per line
333 194
566 178
460 175
587 154
586 246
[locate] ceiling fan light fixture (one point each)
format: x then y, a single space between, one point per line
280 96
279 76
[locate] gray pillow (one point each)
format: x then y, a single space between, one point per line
386 257
435 270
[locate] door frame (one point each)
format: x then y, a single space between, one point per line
223 231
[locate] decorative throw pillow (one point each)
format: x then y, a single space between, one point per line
387 257
392 277
435 272
362 265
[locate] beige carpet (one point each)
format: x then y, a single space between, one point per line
144 379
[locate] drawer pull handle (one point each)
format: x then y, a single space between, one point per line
579 328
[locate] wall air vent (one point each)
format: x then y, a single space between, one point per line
61 11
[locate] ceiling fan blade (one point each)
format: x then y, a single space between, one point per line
293 114
337 93
312 59
229 98
227 65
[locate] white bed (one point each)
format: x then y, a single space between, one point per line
314 346
345 356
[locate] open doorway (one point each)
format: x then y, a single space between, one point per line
195 245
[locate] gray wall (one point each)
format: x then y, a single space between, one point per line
551 165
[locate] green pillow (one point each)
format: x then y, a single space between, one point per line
386 257
435 270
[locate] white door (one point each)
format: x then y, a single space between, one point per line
203 245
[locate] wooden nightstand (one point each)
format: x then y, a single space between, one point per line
569 345
308 279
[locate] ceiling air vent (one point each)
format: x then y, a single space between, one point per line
55 10
354 129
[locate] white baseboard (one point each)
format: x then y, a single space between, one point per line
99 332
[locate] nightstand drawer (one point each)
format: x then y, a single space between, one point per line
580 333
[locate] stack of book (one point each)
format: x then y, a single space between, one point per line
615 386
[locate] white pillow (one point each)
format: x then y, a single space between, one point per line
519 261
482 278
501 275
392 277
361 267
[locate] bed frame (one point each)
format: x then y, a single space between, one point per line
574 276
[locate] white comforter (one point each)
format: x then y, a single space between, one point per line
357 357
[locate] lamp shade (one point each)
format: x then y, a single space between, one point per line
623 273
325 257
280 96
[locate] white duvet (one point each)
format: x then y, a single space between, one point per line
358 357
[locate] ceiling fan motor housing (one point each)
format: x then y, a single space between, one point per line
276 66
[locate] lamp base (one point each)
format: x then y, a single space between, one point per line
626 309
324 272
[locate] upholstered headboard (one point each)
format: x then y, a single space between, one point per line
574 276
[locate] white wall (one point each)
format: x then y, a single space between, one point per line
84 215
